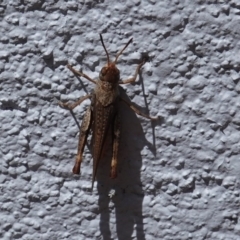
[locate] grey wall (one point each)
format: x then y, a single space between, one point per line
178 177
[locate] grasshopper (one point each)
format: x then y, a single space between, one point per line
103 112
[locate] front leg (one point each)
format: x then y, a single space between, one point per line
116 140
137 111
70 106
84 130
81 74
133 79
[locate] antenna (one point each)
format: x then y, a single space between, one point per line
105 48
122 50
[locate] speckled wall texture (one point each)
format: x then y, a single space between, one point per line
178 177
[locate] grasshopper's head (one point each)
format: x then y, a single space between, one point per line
110 73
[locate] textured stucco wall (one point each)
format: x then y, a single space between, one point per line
178 177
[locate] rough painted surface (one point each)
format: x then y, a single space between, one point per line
178 178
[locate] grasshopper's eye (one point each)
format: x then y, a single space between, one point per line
103 71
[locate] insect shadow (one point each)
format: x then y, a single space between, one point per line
128 197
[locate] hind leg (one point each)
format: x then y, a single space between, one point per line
84 130
116 140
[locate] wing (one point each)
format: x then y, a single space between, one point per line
103 117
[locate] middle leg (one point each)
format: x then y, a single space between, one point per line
137 111
70 106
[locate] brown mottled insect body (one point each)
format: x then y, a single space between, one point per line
103 118
103 113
